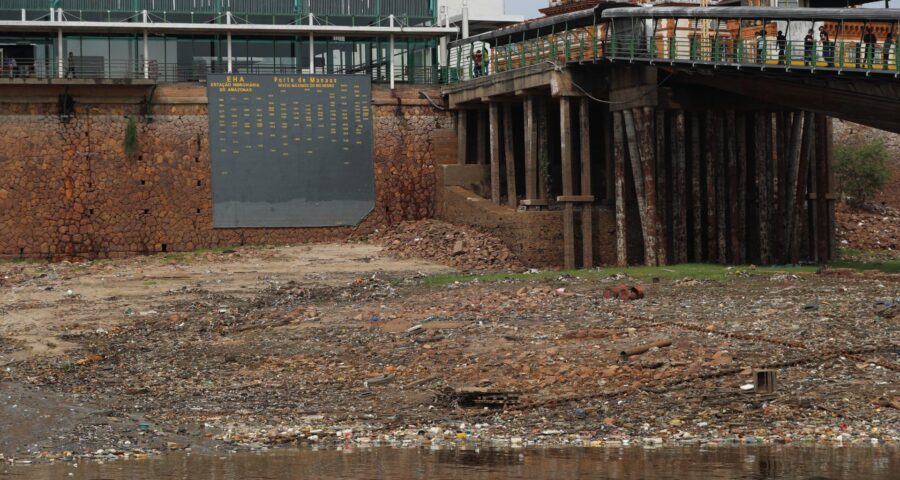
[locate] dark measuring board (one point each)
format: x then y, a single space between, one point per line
291 151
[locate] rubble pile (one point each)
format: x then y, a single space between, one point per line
875 229
456 246
372 360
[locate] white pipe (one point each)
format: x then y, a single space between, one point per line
442 50
312 48
60 53
391 53
228 40
465 20
24 17
146 48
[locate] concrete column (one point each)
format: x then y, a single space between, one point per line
462 139
509 145
481 147
494 111
531 154
24 17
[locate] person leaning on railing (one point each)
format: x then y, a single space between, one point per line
827 46
870 40
886 51
809 48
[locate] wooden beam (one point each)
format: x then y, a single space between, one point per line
566 156
587 210
462 140
575 199
619 173
510 150
531 154
494 111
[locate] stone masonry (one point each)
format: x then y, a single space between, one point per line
68 189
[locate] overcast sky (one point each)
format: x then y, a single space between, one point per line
527 8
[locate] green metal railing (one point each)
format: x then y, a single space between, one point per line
601 42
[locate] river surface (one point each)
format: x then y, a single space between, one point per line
791 462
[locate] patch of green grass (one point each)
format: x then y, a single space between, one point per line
697 271
886 266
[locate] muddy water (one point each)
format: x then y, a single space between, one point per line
407 464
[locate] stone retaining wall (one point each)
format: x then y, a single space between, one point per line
67 188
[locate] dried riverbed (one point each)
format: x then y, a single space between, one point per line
337 344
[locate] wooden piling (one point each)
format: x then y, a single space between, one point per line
679 196
531 154
609 156
696 198
792 172
732 181
462 141
619 174
566 156
825 195
798 189
494 110
721 205
762 187
740 125
662 184
648 223
510 150
587 209
712 134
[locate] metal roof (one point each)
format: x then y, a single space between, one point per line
214 28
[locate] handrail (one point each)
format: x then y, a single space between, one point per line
625 34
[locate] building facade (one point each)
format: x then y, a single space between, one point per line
185 40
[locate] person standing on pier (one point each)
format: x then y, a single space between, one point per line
886 51
870 40
781 42
827 47
809 46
